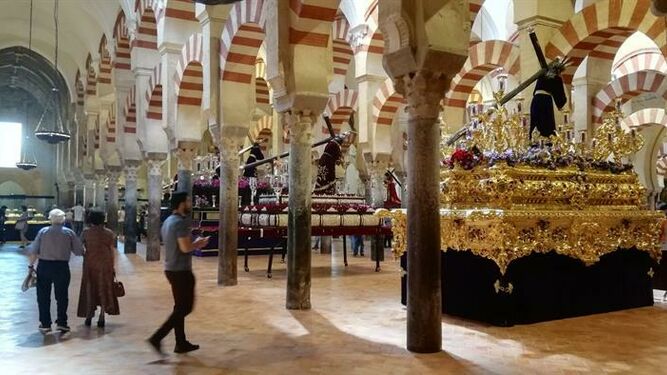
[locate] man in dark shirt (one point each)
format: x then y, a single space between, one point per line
177 238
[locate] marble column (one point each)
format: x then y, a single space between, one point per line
71 195
325 244
376 171
79 189
112 202
423 91
131 168
229 197
155 163
299 224
100 184
88 190
185 153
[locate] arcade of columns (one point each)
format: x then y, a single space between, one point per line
173 71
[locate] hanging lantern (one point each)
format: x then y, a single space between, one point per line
26 163
57 132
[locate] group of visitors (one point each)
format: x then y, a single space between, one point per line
51 250
52 247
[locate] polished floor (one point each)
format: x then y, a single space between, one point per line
356 326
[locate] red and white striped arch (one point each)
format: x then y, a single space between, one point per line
627 87
339 109
146 36
645 117
648 59
310 21
262 128
130 112
342 53
483 58
80 90
96 134
661 163
262 93
91 77
241 38
154 94
122 55
111 127
371 14
599 29
474 6
189 76
386 104
104 76
183 10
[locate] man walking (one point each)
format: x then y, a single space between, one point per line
177 237
79 212
52 247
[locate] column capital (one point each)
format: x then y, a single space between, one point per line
155 166
131 167
186 153
423 91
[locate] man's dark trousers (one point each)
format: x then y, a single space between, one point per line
183 290
56 273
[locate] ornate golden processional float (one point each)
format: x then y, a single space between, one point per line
505 198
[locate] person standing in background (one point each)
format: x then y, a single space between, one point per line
52 246
69 218
177 236
79 213
121 223
22 226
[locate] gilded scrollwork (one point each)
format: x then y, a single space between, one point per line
507 235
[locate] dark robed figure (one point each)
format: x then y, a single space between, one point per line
548 90
326 169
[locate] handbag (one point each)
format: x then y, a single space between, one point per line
30 280
118 287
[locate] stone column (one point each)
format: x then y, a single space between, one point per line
423 92
229 198
112 202
376 170
155 162
325 244
100 182
88 190
185 153
131 167
299 224
71 194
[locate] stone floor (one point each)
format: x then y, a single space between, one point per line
356 326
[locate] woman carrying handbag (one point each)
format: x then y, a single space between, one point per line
99 286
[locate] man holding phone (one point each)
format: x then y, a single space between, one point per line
177 237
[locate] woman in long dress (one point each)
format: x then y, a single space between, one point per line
22 226
98 271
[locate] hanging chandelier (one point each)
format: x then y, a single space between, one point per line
25 163
57 132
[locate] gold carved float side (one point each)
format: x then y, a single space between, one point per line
504 236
